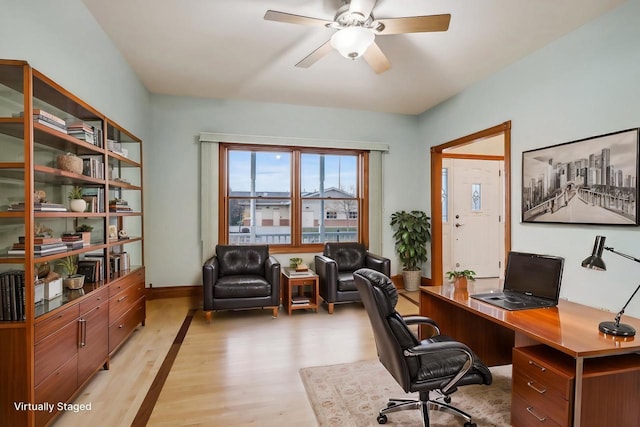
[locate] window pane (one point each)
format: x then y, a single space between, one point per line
324 175
259 221
259 173
329 221
476 197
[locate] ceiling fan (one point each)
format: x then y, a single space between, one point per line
357 29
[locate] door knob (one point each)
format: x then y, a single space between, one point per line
458 224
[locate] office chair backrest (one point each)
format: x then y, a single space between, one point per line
349 256
392 335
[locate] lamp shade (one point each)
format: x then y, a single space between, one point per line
352 42
595 261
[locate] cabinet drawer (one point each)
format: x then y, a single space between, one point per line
122 327
94 299
53 323
58 387
127 281
123 301
528 414
546 401
52 352
554 369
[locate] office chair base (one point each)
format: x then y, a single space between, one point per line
395 405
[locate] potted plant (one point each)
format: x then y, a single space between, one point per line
85 231
460 278
76 203
70 265
295 262
411 234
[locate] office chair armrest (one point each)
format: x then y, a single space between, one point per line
438 347
421 320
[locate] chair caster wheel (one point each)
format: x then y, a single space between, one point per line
382 419
447 399
470 425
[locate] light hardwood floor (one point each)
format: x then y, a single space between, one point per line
239 370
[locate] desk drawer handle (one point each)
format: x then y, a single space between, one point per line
542 368
539 390
530 410
123 298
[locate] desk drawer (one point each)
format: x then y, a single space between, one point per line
544 366
528 414
58 387
94 299
122 327
51 324
121 302
55 351
547 402
137 277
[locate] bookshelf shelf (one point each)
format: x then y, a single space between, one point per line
39 319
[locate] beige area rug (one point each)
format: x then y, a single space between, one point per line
352 394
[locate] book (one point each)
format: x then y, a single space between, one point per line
41 240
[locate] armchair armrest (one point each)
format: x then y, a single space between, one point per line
378 263
327 271
438 347
421 320
272 274
210 272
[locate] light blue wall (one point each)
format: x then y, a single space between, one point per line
585 84
173 241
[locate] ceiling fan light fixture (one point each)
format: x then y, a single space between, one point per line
352 42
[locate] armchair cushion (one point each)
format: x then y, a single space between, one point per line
241 286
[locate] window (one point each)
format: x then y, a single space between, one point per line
291 197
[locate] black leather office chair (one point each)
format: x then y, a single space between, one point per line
437 364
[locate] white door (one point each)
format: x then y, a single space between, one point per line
477 228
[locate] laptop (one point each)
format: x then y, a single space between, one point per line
531 281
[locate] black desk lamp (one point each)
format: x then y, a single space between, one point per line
595 262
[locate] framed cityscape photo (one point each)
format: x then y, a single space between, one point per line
589 181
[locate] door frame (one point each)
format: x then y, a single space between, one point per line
437 272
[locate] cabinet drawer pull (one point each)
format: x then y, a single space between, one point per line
542 368
123 298
120 326
530 410
539 390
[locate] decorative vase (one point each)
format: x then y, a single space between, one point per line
77 205
74 282
411 279
70 163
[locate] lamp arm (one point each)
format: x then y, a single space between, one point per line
621 254
621 312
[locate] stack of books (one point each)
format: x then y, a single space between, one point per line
300 300
41 246
119 205
39 207
94 196
93 166
80 130
47 119
72 240
12 297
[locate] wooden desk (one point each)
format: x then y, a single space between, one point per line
569 329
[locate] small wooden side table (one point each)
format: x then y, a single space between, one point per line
303 298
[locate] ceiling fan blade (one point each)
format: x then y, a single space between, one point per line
315 56
413 24
289 18
363 7
376 59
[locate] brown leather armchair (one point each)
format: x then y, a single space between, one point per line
335 269
437 364
240 277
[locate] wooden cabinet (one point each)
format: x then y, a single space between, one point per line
543 389
51 347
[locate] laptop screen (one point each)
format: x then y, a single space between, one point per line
532 274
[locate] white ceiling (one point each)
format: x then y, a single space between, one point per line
225 49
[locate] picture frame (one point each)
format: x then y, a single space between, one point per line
587 181
113 232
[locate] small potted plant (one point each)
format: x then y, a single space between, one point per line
411 236
70 265
295 262
76 202
460 278
85 231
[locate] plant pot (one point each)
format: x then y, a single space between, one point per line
460 283
74 282
69 163
411 279
77 205
86 238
